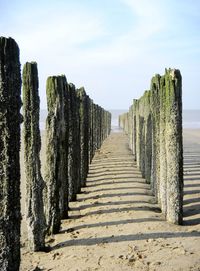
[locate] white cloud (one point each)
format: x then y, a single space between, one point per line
149 20
62 36
150 17
69 31
57 46
113 68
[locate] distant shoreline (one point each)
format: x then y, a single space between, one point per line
191 118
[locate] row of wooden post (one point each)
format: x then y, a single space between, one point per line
75 129
154 128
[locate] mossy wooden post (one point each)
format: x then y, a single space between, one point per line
147 136
91 131
127 124
107 117
142 136
63 139
56 152
35 217
174 149
134 129
163 158
94 135
102 125
103 120
106 124
109 122
83 135
123 121
71 183
76 140
10 119
138 134
97 126
130 125
74 146
87 135
120 121
155 109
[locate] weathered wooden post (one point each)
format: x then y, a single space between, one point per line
174 146
84 135
35 217
77 146
102 125
109 123
137 128
105 125
130 125
10 119
147 136
142 135
91 130
98 126
163 158
74 145
56 152
134 129
63 142
87 135
94 128
71 182
155 109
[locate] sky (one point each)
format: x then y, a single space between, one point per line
111 47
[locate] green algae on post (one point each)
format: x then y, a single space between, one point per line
156 141
84 134
56 152
10 119
35 217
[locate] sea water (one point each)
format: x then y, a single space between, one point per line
191 118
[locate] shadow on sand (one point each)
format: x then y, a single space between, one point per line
191 202
125 238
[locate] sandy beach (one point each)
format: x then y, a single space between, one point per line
115 224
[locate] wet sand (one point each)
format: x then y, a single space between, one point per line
115 224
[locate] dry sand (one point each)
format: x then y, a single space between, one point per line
115 224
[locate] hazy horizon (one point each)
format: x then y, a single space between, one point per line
191 118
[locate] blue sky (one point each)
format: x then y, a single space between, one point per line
111 47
